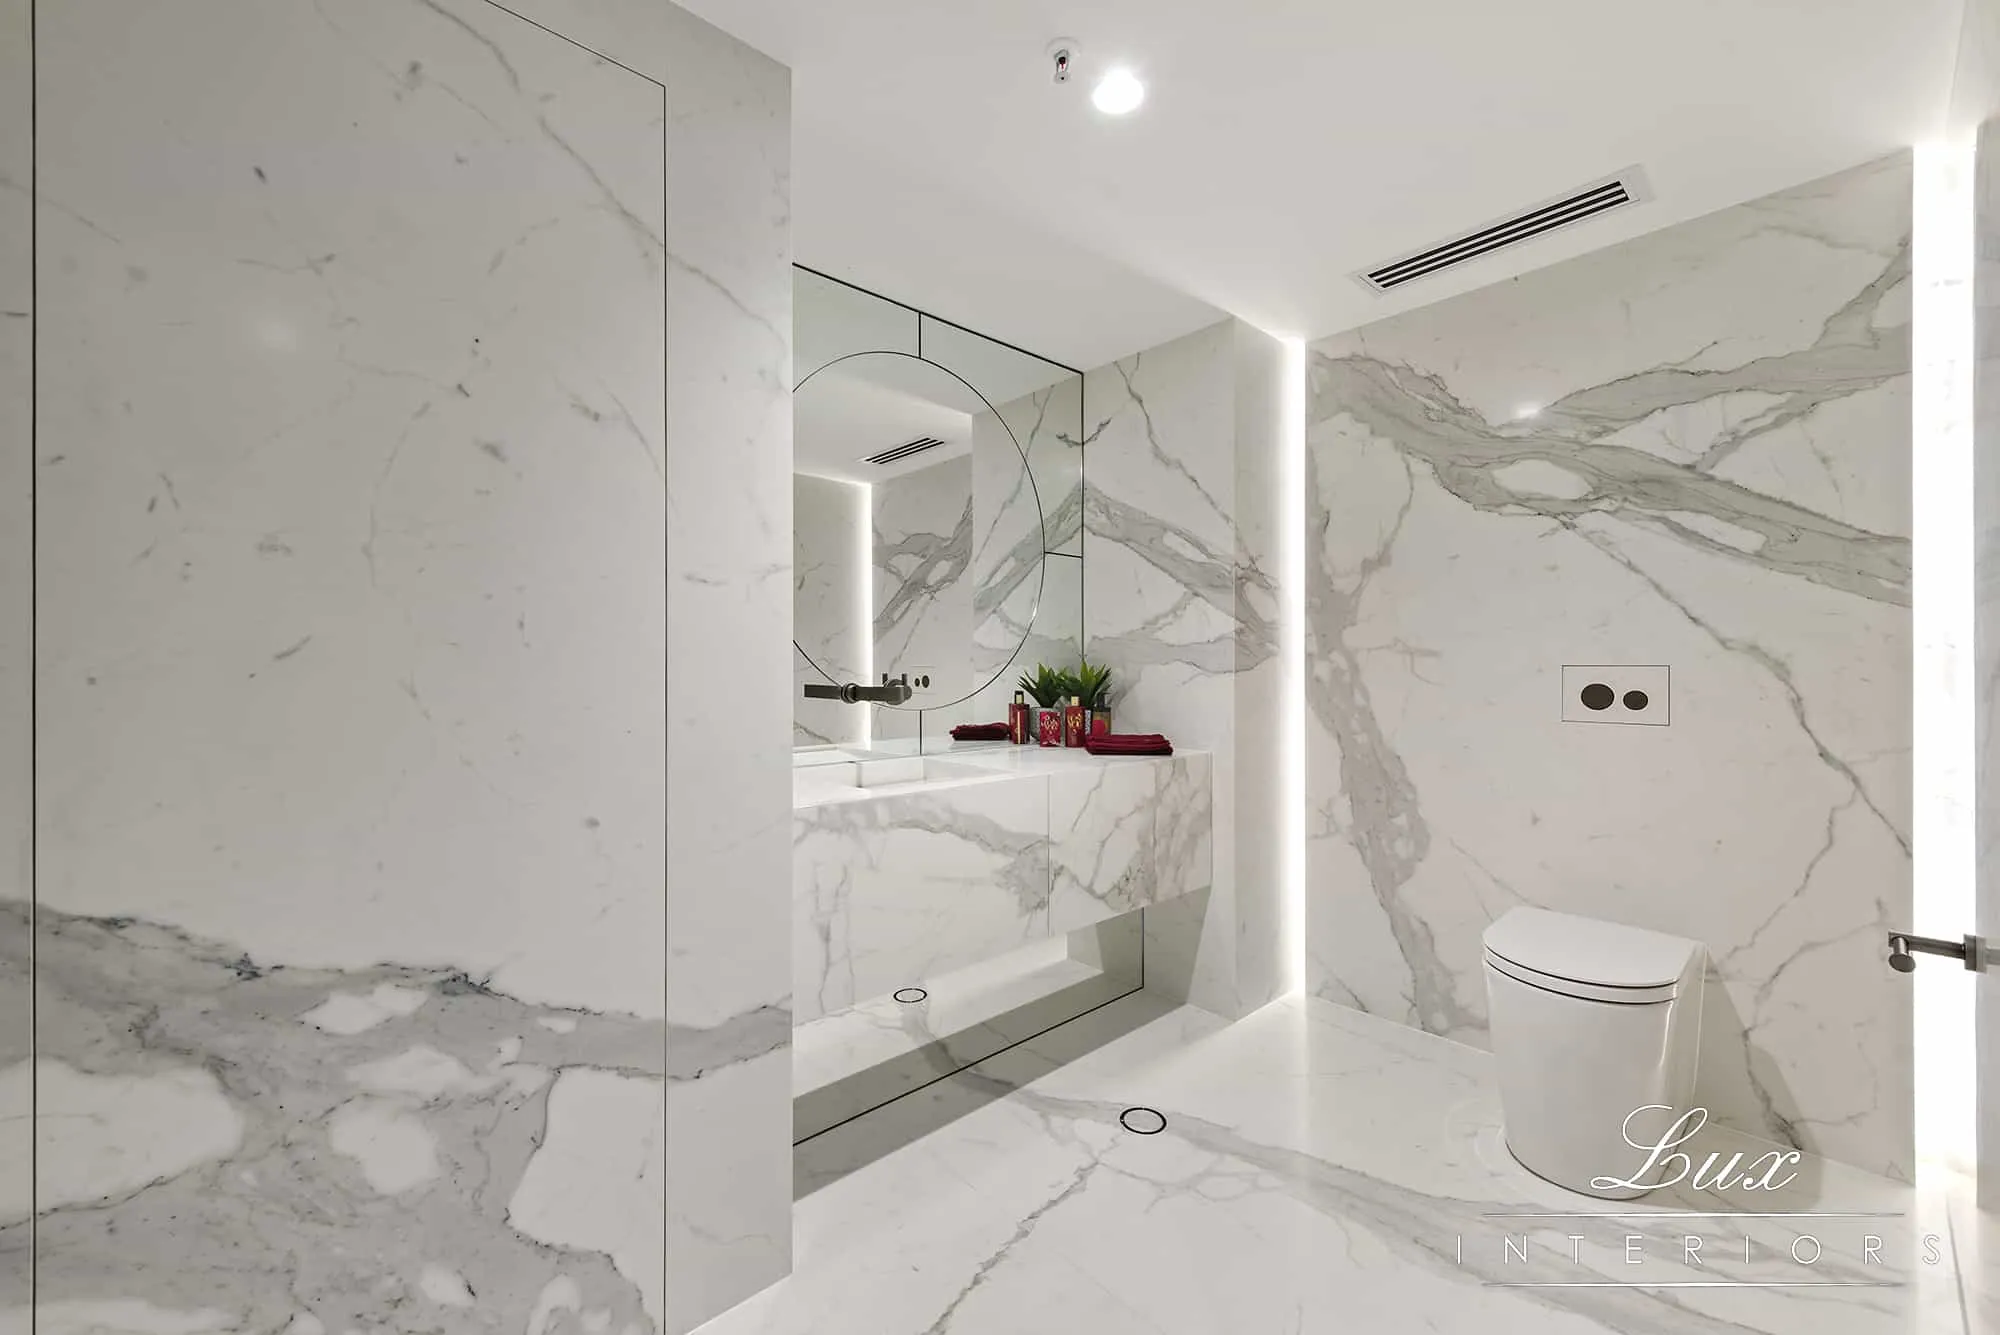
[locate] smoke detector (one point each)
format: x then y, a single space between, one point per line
1062 55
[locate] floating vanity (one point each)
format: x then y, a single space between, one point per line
911 867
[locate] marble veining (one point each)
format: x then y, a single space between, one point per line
1103 842
901 887
1012 846
197 1105
923 552
1181 528
1320 1170
386 668
1128 835
924 598
1690 449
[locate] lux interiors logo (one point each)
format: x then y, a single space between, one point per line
1662 1248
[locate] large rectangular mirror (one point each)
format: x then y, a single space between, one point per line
937 521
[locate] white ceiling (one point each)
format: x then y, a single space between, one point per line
864 405
1285 144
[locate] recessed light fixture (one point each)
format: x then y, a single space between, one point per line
1118 92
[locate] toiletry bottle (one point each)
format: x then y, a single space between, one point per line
1049 727
1017 720
1073 733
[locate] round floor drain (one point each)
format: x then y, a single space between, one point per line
1143 1121
909 995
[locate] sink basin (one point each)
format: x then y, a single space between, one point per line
913 769
893 774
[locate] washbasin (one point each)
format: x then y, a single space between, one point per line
913 769
889 774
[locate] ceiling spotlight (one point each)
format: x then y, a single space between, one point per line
1118 92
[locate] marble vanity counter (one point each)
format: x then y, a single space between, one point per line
1006 759
953 859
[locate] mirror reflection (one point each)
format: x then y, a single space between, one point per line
937 522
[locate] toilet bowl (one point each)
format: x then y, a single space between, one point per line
1591 1022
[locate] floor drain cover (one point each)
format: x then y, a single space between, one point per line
909 995
1143 1121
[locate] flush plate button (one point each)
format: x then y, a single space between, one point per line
1630 694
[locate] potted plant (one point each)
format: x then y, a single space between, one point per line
1050 689
1093 682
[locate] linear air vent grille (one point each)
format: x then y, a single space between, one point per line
897 453
1617 192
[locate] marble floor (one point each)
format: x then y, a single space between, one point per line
1319 1171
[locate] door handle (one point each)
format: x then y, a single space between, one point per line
1905 946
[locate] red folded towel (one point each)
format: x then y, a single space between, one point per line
979 732
1128 744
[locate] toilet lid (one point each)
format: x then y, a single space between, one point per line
1585 950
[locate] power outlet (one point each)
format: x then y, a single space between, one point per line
1640 695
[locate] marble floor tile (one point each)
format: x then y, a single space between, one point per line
1320 1171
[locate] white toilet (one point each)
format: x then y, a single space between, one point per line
1590 1022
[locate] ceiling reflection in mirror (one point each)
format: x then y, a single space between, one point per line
937 521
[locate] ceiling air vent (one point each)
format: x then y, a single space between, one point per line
1615 192
898 453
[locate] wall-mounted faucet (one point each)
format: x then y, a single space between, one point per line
890 692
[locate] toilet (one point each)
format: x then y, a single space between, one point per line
1591 1021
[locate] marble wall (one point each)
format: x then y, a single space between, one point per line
382 553
1027 559
1181 516
1691 449
1976 111
922 524
829 519
1986 669
1022 514
16 628
991 589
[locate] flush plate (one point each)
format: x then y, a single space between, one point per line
1631 694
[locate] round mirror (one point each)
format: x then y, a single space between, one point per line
918 533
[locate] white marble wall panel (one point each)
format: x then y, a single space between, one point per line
1030 597
729 468
1986 630
829 622
350 645
923 526
896 888
1054 443
1008 535
304 1147
1691 449
354 436
1128 835
16 632
1181 601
